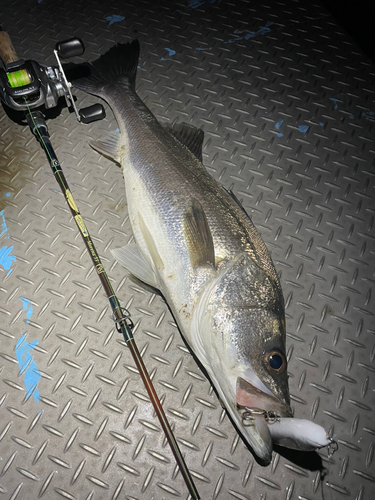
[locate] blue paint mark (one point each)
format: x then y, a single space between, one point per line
118 130
277 126
194 4
171 52
369 115
4 224
203 48
28 366
303 128
6 260
321 124
7 195
334 101
114 19
27 307
251 34
351 117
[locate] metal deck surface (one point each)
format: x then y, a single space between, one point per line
287 103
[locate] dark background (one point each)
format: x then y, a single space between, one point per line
358 19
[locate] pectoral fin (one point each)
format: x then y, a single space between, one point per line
131 258
151 247
198 236
108 146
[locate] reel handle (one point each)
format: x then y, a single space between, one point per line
7 51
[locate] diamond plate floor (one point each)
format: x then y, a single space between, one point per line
286 101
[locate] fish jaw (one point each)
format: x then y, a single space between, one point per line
250 397
253 406
254 431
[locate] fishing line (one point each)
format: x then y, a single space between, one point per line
332 448
121 315
70 200
18 78
36 131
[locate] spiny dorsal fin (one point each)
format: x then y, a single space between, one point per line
198 236
189 136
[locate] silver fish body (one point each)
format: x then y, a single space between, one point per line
200 249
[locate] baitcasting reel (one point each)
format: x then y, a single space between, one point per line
26 85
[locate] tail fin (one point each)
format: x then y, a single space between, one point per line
119 64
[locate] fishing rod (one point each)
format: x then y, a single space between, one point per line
29 87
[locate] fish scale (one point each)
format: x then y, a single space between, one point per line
195 243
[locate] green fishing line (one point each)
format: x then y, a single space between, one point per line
18 78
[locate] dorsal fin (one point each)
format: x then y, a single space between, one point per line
234 197
189 136
198 236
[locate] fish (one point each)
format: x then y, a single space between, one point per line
195 243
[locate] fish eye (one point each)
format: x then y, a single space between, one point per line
275 362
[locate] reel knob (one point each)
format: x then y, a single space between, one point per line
92 113
70 48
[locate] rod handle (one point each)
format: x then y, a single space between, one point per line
7 51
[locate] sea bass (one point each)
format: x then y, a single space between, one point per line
196 244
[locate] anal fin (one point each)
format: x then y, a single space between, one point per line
108 146
131 258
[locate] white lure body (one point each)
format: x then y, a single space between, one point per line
299 434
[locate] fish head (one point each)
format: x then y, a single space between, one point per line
242 330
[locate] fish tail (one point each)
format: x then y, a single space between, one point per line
118 65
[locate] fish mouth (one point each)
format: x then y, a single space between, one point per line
249 397
257 409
